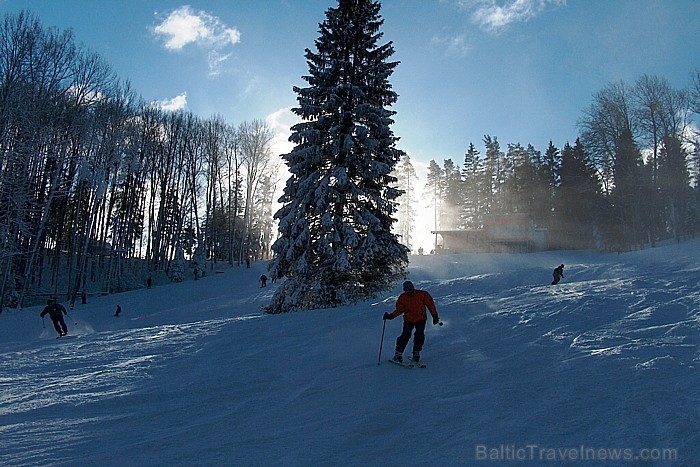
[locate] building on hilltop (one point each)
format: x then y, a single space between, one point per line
504 233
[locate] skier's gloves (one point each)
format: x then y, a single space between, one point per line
388 316
436 320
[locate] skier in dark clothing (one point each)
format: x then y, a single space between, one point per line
412 304
558 273
56 312
263 281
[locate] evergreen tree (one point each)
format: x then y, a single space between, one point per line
452 196
545 180
626 195
335 244
519 182
472 179
434 192
548 169
674 181
577 200
494 175
177 270
550 165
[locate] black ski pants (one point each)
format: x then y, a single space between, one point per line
418 336
59 324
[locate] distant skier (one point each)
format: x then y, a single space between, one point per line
412 304
118 311
558 273
263 281
56 312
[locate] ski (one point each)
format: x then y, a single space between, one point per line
409 364
403 364
418 364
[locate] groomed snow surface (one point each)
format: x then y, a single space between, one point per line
602 367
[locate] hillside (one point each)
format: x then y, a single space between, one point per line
605 364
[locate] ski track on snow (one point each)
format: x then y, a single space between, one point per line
608 358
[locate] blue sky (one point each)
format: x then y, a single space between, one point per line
520 70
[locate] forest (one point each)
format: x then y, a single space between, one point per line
100 190
630 179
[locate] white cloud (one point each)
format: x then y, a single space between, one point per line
184 26
454 45
495 15
176 103
215 59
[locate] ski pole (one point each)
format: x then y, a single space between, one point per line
381 344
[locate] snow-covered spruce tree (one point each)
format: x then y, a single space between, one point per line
335 244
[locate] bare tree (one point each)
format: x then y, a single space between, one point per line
214 151
406 177
96 185
694 91
234 203
256 154
605 123
660 111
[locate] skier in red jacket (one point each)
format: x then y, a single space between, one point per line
412 304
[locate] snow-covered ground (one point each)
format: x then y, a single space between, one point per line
605 364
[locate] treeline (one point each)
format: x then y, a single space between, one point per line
631 178
99 189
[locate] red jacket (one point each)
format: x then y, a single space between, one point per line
412 306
